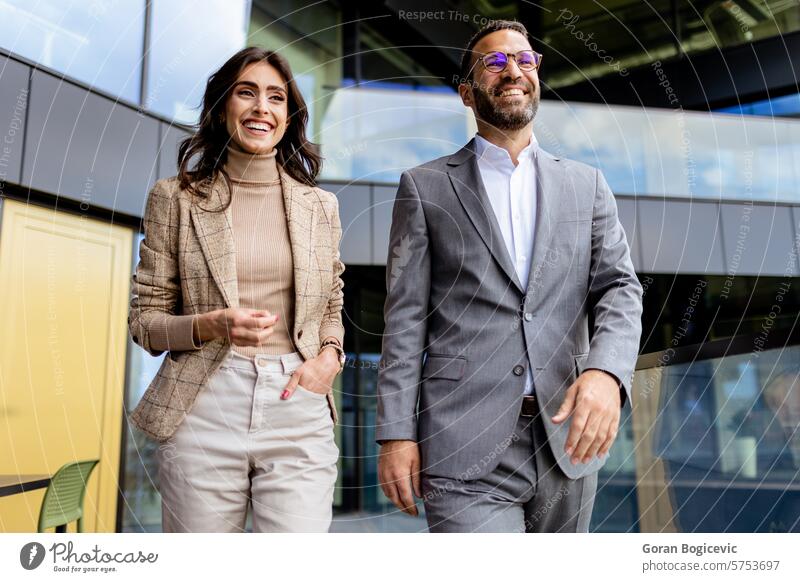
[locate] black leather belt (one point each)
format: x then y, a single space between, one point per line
529 406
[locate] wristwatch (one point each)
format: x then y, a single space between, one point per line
336 346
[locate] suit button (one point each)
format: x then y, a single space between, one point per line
519 370
299 334
529 316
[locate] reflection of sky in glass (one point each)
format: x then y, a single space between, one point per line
98 43
189 41
786 105
374 135
305 83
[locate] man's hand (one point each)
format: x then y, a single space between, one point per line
398 473
594 401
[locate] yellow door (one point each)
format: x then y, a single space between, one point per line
64 285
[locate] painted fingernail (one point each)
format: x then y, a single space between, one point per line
285 394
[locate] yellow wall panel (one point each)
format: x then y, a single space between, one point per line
64 285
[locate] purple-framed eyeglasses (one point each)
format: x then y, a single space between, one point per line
497 61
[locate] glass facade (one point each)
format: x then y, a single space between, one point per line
363 332
142 508
712 446
718 443
786 106
188 41
378 62
681 310
102 44
99 43
373 135
315 54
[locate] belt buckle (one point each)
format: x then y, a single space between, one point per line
528 409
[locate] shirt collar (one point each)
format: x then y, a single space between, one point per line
486 149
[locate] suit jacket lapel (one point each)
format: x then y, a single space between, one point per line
301 219
215 233
549 183
468 184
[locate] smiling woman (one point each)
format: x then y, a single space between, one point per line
239 280
256 116
254 85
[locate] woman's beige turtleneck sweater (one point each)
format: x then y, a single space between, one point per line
264 265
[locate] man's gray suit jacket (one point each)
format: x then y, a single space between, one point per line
462 329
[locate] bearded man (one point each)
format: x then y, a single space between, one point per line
498 396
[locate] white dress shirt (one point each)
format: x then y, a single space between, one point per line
512 193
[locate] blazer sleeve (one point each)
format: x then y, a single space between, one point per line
615 293
331 324
405 313
153 319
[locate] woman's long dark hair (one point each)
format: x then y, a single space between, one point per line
298 157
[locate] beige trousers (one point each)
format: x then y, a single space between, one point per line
242 445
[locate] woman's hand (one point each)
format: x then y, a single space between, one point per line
243 327
315 375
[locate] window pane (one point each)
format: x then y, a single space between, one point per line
142 508
96 42
717 444
315 56
188 41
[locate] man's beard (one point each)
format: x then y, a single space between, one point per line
511 118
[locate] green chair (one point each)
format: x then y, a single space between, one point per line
63 500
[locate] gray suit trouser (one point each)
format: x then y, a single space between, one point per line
526 492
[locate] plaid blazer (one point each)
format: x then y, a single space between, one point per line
187 266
